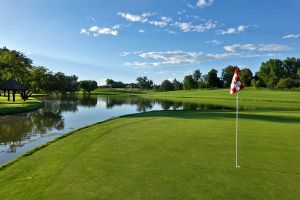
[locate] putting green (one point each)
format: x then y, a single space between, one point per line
166 155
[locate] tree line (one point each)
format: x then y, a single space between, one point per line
14 65
274 73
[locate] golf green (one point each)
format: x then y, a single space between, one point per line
166 155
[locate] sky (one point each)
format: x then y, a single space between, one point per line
124 39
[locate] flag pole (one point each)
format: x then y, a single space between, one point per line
236 130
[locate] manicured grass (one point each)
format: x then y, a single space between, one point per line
249 98
166 155
10 107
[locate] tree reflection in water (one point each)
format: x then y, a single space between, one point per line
16 130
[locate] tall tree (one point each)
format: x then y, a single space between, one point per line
197 75
166 85
227 74
212 78
189 82
144 82
246 76
271 71
177 85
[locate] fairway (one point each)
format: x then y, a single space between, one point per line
166 155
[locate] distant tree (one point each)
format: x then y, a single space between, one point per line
271 71
246 76
109 82
197 75
166 85
189 82
290 67
227 74
88 85
144 82
177 85
212 79
286 83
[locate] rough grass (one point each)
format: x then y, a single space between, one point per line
166 155
10 107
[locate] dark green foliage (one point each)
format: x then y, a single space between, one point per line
286 83
144 82
189 82
88 85
212 79
227 74
114 84
246 76
16 66
177 85
166 85
197 75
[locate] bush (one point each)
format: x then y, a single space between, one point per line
286 83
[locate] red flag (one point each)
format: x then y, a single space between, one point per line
236 83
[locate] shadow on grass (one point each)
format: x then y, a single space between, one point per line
270 170
194 114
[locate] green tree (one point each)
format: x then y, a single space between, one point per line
189 82
246 76
197 75
144 82
271 71
88 85
177 85
166 85
227 74
212 79
290 67
286 83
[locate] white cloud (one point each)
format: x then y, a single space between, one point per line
107 31
213 42
141 31
84 31
239 29
204 3
127 53
134 18
96 31
94 28
291 36
166 19
174 58
158 23
256 47
188 26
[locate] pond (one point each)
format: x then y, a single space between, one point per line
61 114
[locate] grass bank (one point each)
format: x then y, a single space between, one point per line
166 155
19 106
249 98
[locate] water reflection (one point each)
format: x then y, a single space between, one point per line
60 114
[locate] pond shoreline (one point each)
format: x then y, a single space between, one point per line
10 108
35 149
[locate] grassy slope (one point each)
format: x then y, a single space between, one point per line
166 155
9 107
248 98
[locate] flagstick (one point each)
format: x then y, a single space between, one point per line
236 130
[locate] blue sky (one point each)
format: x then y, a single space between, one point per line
160 39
